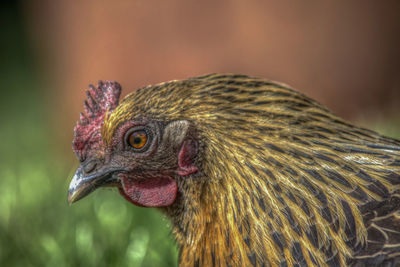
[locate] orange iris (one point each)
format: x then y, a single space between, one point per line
138 139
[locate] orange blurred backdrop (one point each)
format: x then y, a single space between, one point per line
345 54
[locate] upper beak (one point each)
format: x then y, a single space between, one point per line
81 185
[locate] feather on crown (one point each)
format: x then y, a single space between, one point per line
87 132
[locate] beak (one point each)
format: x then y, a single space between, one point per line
81 185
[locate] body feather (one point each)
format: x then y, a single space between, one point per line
282 180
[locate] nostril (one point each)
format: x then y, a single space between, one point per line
89 167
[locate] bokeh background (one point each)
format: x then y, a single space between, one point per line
345 54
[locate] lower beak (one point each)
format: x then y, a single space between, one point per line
81 186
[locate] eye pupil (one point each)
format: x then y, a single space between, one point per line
138 139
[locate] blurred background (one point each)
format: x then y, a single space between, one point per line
345 54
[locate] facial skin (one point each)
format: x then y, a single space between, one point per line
143 160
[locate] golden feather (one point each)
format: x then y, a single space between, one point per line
283 180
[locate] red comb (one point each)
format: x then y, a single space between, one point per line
87 132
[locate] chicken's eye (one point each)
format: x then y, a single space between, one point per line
137 139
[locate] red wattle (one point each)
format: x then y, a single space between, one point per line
149 192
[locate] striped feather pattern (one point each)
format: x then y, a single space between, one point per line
283 181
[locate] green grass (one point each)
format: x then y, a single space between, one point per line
38 228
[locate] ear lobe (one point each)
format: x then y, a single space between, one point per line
176 136
187 156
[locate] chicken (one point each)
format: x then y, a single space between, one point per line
250 172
